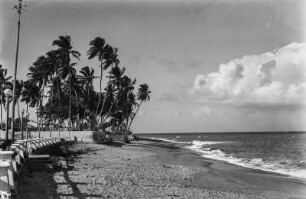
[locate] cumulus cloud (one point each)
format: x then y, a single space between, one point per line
272 78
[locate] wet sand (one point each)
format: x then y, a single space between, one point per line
155 169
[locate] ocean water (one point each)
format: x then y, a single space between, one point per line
280 152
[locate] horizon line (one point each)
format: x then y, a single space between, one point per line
233 132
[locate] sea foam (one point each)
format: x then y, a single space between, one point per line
205 150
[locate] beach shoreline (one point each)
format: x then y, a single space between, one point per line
257 179
223 161
154 168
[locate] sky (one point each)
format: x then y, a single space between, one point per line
212 65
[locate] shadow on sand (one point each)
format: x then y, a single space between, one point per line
43 183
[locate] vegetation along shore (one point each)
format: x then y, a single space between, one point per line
66 98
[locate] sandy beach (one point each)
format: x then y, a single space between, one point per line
154 169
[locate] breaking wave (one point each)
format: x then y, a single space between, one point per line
206 150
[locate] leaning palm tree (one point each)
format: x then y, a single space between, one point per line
115 80
111 60
142 95
125 100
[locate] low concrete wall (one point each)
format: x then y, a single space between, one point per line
13 162
81 135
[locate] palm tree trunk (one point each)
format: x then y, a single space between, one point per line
100 94
108 113
78 114
1 116
58 89
41 105
70 102
1 102
27 121
100 114
51 115
134 115
109 78
18 107
37 122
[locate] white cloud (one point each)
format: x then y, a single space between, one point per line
272 78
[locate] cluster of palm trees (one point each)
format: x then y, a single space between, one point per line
65 98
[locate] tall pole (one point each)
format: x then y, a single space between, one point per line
19 8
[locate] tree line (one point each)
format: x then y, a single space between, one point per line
66 98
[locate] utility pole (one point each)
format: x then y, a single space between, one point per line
19 8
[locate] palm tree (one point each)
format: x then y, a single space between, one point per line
68 72
111 98
39 75
104 53
55 93
125 99
78 90
63 53
30 94
115 77
86 78
52 64
72 98
65 50
97 49
19 87
111 60
142 95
